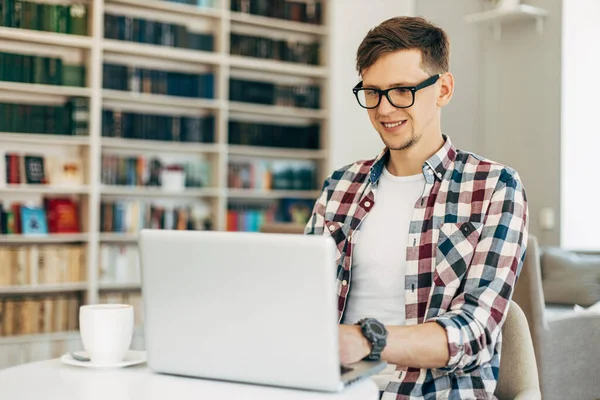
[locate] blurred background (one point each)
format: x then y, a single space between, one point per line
118 115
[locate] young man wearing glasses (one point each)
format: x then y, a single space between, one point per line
430 238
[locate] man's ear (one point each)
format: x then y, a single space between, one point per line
446 89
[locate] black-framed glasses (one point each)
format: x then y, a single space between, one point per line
399 96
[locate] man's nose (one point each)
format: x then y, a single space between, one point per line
385 107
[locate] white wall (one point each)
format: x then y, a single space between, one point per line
507 103
521 109
352 136
461 118
580 191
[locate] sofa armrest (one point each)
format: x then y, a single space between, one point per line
570 354
529 394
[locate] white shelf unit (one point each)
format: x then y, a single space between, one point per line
48 38
271 194
44 189
126 286
60 140
45 288
96 50
44 239
500 15
118 237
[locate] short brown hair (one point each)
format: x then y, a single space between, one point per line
405 33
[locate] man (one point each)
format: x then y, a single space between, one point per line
430 239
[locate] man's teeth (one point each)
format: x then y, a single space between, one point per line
393 125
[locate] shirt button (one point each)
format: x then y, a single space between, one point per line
332 228
367 204
344 282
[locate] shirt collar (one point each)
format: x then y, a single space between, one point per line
438 163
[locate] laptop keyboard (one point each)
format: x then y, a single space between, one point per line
344 369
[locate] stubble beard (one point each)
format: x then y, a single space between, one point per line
412 140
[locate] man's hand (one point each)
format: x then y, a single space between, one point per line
353 345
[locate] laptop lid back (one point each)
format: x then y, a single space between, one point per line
246 307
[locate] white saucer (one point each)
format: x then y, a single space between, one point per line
131 358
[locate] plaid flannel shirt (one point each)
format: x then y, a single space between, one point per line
465 250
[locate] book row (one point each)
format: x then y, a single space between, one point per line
142 80
59 18
42 70
272 135
57 215
143 171
41 169
39 314
273 49
272 175
251 217
130 216
302 96
175 128
310 12
68 119
154 32
43 264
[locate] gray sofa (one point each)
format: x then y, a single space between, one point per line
566 342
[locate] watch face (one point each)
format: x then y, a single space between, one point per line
376 329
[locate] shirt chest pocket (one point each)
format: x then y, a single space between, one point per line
455 249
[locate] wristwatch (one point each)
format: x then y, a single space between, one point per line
375 332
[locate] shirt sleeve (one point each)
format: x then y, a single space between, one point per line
316 222
477 313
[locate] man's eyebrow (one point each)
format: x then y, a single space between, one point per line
390 86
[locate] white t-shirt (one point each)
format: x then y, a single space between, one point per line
379 262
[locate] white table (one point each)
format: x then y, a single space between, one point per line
53 380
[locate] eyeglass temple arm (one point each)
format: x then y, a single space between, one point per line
428 82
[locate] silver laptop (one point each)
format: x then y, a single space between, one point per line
244 307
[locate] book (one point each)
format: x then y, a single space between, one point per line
157 33
43 70
297 211
38 314
62 215
35 172
13 168
77 21
68 119
282 50
66 19
301 96
310 12
130 216
274 135
272 175
33 221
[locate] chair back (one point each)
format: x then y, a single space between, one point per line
529 295
518 375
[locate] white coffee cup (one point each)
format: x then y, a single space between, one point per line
106 331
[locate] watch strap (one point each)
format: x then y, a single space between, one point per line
378 342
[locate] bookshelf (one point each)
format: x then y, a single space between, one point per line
50 238
47 288
93 51
62 140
